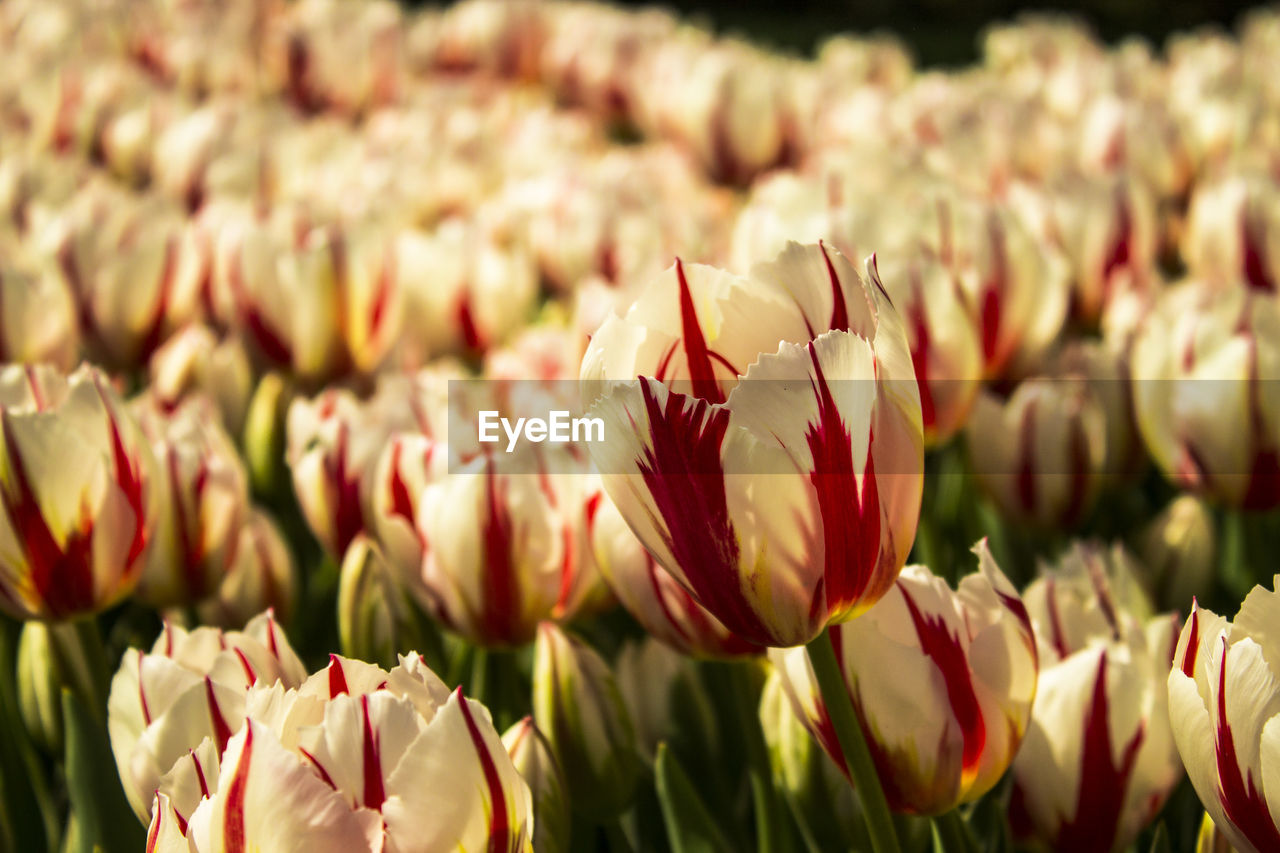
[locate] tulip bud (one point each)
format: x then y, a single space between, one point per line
1178 549
264 433
665 698
261 576
50 658
820 797
374 622
39 319
1233 231
577 704
944 706
1198 364
207 495
79 494
534 761
1098 760
1040 454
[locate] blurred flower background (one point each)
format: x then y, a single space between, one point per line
935 349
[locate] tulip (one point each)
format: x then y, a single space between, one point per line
651 595
52 657
1178 548
118 257
39 322
504 551
370 756
261 576
333 442
944 706
464 290
793 509
207 493
1233 231
943 338
190 686
1223 700
531 754
1040 454
78 494
1202 367
325 305
577 705
194 360
373 614
665 698
1098 760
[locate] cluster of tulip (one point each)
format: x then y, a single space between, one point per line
263 263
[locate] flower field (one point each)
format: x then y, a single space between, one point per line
559 427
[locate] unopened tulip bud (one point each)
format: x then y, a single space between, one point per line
374 620
577 704
531 754
666 700
264 433
1178 549
50 658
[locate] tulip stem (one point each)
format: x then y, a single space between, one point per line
955 834
770 828
853 744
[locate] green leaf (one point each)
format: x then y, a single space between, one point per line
1160 839
690 828
104 818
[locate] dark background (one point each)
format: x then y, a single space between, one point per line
944 32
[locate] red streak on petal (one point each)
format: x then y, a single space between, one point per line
204 786
683 473
142 693
401 502
1057 636
268 340
233 829
502 591
949 655
337 678
1241 800
501 838
324 774
839 309
155 330
697 356
1103 783
1188 665
221 731
374 791
471 338
349 520
153 834
1026 482
850 517
247 667
1253 249
920 361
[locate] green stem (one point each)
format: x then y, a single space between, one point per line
853 744
955 834
771 834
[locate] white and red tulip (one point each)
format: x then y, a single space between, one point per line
1224 702
942 682
779 483
78 494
